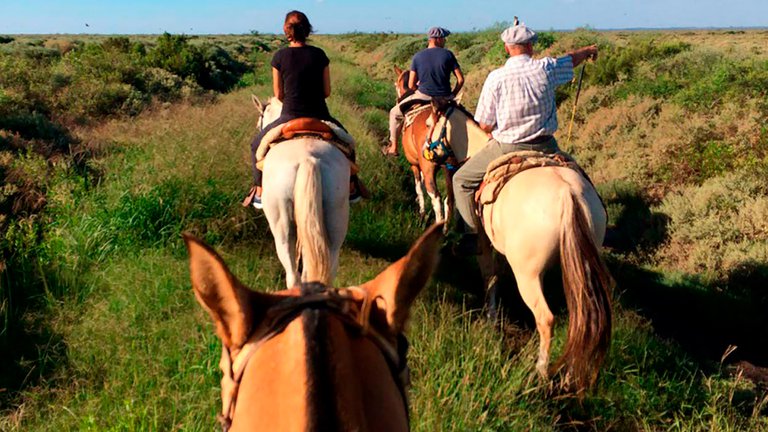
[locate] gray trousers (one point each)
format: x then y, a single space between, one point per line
396 114
468 178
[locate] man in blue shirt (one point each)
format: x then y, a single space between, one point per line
431 68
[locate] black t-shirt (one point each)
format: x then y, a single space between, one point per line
301 71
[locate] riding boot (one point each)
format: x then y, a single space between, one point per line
357 190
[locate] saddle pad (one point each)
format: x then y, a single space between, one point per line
501 170
411 115
335 135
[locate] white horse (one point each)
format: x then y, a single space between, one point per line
540 215
306 202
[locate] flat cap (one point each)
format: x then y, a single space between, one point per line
518 35
437 32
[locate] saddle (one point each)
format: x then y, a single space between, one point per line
412 109
307 126
501 170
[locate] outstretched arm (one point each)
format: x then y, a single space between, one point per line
578 56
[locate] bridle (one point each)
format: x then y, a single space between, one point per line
345 304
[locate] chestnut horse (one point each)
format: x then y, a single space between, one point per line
540 215
424 171
313 358
306 201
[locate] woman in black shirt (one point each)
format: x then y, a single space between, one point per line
302 81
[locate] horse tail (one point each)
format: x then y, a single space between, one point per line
587 285
312 240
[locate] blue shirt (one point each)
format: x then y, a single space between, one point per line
433 67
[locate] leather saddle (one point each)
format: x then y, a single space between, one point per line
307 126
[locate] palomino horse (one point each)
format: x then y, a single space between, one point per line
306 201
313 358
539 215
424 171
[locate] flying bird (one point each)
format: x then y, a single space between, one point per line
86 24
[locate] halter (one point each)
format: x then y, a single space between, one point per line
439 151
345 305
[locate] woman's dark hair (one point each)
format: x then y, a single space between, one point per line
297 26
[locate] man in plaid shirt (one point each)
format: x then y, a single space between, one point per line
517 108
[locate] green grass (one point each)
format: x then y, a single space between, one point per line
114 340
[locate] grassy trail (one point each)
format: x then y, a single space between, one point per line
131 349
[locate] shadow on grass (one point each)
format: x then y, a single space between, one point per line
30 351
702 318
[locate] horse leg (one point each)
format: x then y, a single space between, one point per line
433 192
419 184
487 262
448 204
285 245
531 291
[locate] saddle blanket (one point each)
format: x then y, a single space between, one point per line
501 170
340 138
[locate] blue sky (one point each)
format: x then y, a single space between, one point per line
338 16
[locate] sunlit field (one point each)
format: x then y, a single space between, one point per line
110 148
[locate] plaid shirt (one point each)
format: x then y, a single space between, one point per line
519 98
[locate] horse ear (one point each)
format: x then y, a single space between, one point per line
257 103
398 71
233 307
458 97
401 282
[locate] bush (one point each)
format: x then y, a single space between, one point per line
221 72
174 54
404 49
719 227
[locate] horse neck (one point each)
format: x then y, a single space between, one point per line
464 135
322 380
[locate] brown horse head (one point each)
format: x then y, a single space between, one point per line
401 82
312 357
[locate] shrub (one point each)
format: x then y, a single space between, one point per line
719 227
221 72
117 43
63 46
404 49
174 54
5 39
545 40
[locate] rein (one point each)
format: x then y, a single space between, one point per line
342 303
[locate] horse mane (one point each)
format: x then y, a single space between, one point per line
322 409
441 105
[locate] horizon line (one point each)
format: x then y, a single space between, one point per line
688 28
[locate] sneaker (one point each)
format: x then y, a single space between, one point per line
256 203
354 193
